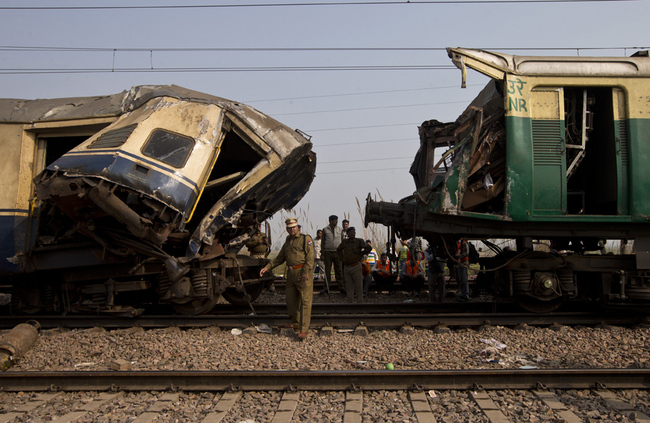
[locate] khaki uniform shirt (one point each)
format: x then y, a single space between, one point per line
296 251
257 244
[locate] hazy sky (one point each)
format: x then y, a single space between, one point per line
328 70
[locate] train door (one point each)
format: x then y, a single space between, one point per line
597 151
580 151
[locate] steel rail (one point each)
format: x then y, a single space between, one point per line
335 320
326 380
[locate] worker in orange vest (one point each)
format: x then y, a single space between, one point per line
413 277
383 274
460 268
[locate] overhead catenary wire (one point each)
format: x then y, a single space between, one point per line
360 171
409 3
366 160
152 68
290 49
370 108
311 97
47 71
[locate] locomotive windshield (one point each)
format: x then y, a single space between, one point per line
168 147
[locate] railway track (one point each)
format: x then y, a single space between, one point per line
338 316
329 380
352 396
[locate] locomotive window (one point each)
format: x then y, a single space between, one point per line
168 147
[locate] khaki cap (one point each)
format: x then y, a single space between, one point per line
291 222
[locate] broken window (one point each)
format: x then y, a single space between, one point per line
168 147
236 159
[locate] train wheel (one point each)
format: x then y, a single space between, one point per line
239 298
196 307
535 306
253 289
638 293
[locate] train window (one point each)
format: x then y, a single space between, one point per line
168 147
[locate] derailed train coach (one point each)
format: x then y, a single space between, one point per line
554 149
144 197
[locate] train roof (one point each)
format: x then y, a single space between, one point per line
496 65
19 110
115 105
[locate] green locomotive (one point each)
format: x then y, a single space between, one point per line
554 149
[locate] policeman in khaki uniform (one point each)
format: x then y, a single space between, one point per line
298 252
258 244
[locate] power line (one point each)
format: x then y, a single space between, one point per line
309 131
290 49
320 4
358 171
369 108
211 49
365 160
50 71
360 93
319 146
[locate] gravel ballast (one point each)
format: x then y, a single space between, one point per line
214 349
487 347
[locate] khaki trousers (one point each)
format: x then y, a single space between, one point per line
353 281
299 299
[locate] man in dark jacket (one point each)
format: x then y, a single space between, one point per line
352 251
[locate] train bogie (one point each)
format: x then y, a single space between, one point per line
554 149
141 197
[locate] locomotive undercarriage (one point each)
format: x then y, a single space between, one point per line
542 281
573 268
89 228
119 293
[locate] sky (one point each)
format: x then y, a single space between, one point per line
358 76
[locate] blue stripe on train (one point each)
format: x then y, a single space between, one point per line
13 238
126 172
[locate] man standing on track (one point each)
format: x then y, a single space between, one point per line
329 243
352 251
298 253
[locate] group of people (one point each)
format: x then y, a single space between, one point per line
355 266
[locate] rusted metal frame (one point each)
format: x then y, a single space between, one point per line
104 198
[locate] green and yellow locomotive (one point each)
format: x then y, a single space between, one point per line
554 149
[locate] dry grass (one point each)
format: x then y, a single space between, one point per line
376 233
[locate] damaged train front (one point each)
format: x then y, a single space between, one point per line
154 208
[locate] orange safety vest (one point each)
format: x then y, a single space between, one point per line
412 270
384 267
365 268
459 247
